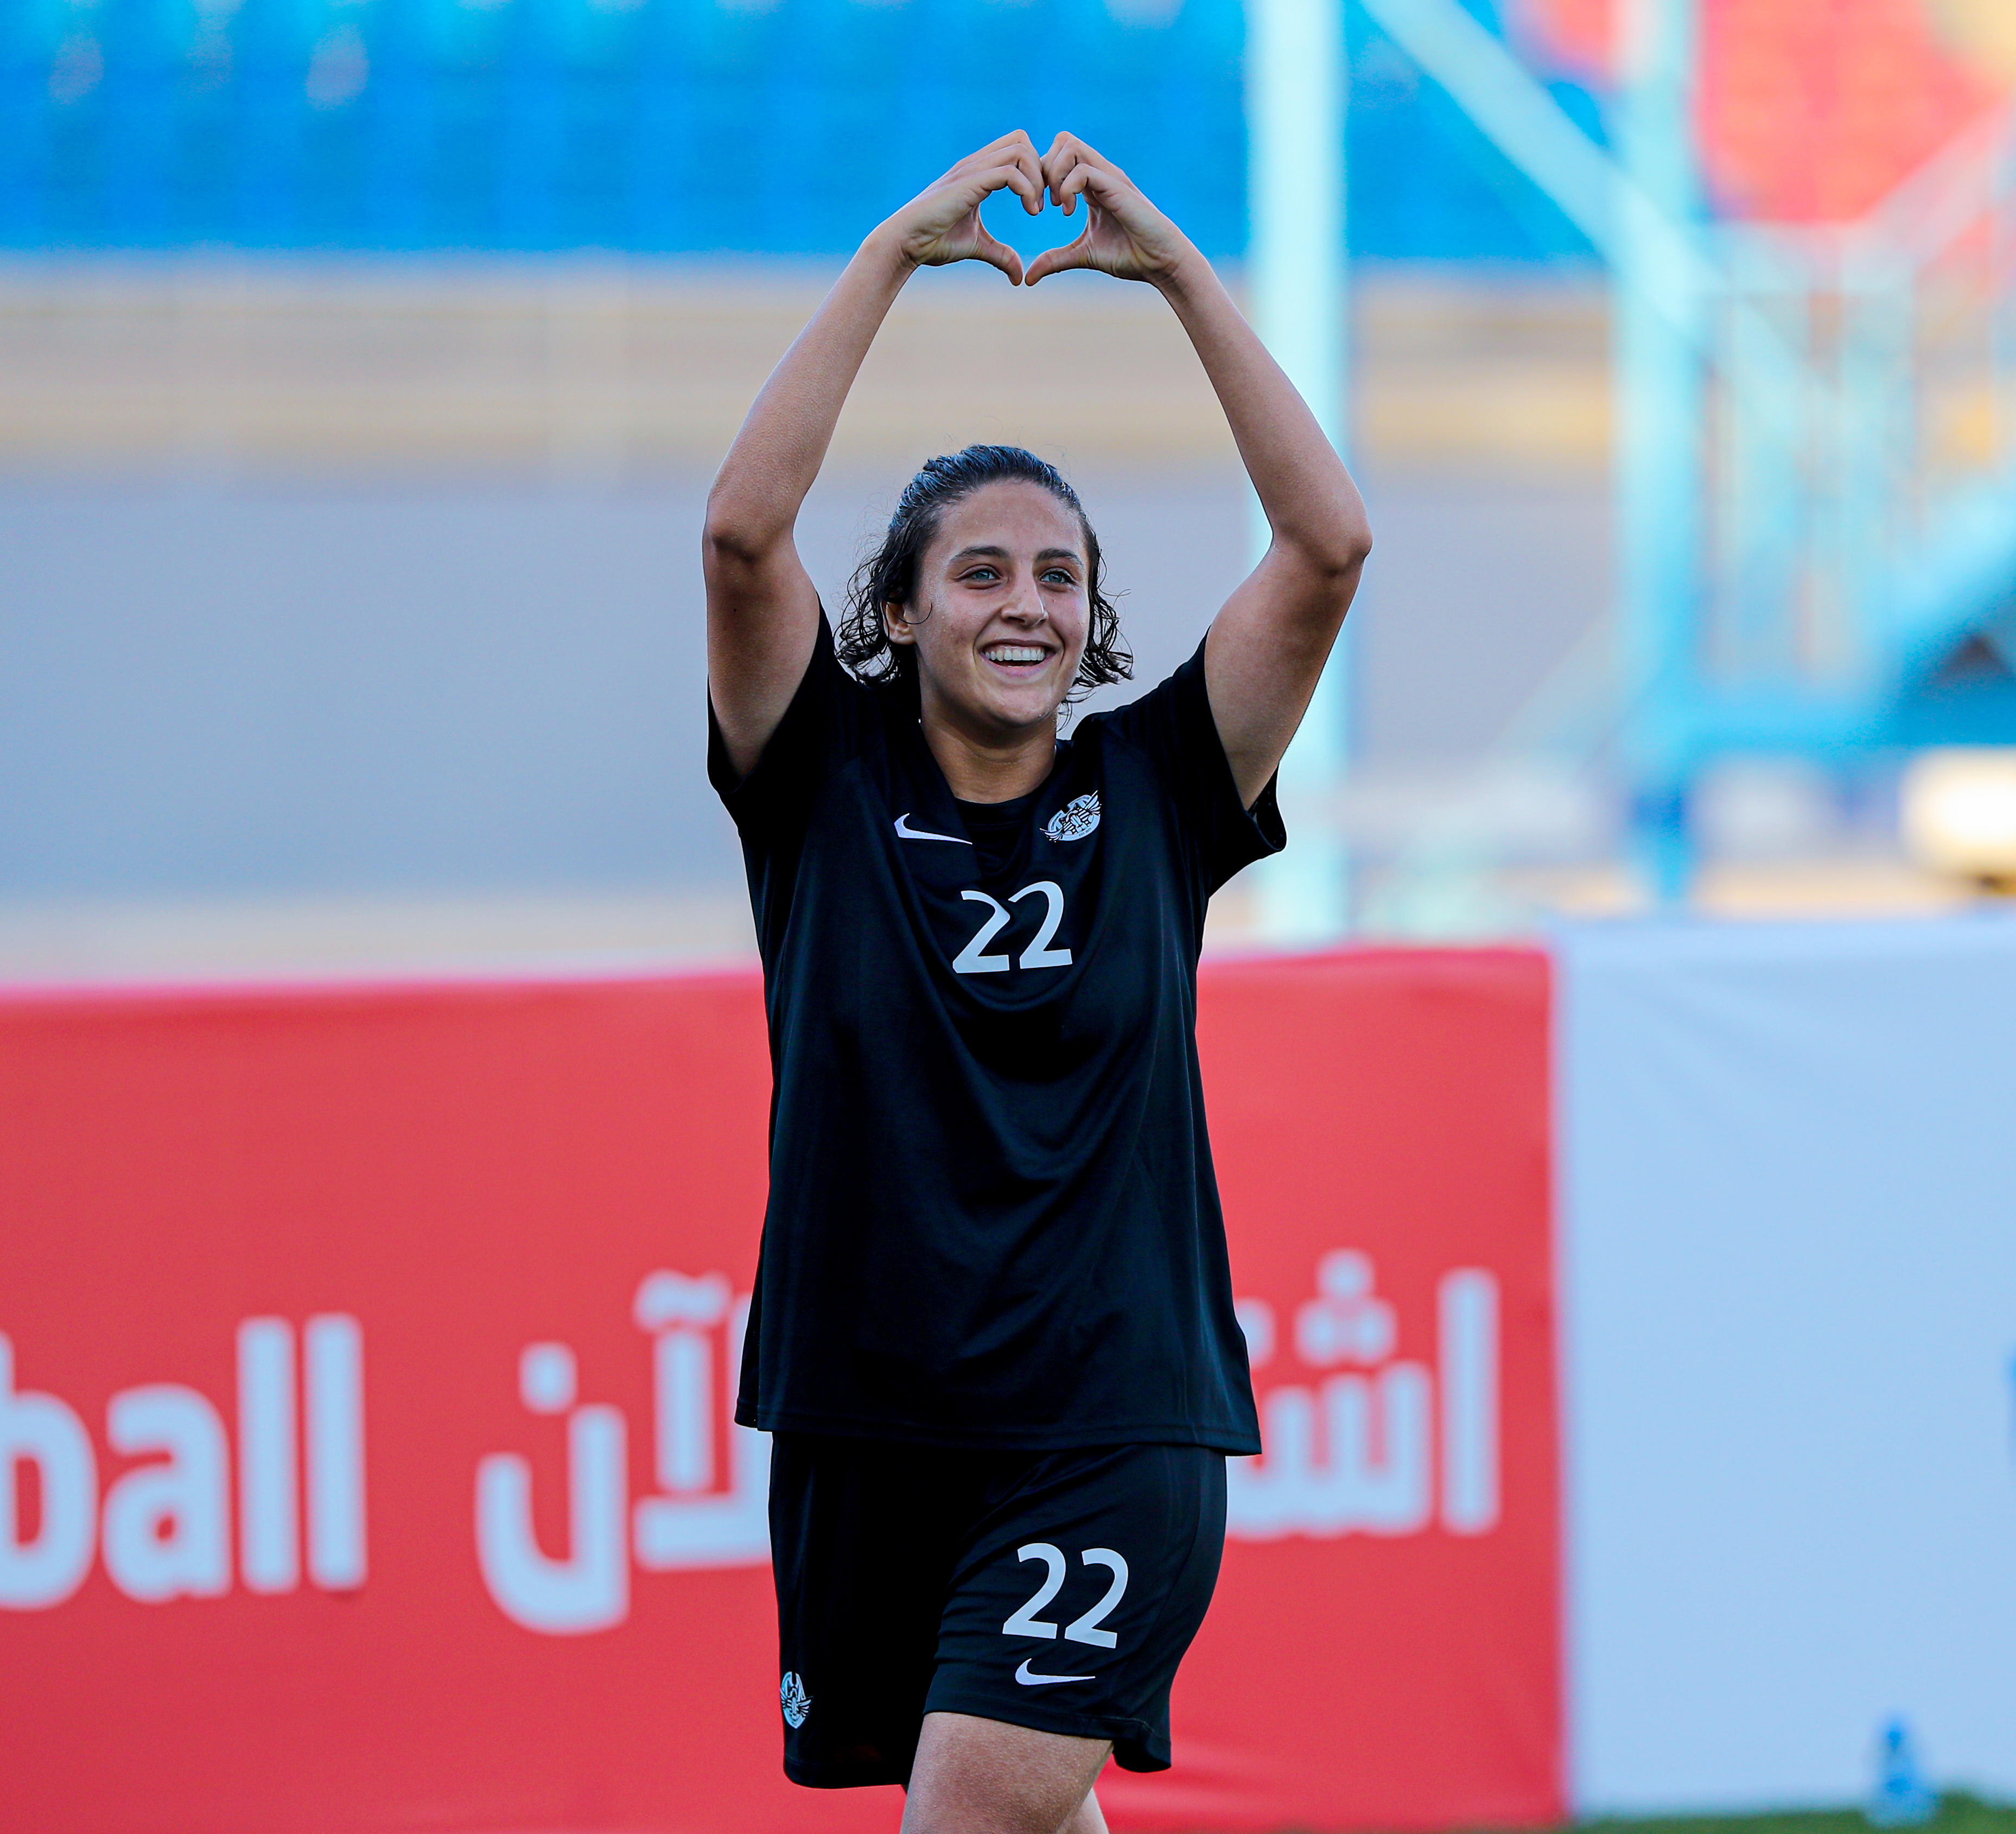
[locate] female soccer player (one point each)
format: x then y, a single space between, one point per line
992 1330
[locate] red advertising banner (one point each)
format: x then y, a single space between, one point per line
366 1364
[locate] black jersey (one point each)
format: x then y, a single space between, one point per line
992 1217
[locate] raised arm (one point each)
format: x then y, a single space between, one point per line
761 604
1269 641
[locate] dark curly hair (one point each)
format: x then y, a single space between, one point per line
889 575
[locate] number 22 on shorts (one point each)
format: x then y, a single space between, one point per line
1080 1629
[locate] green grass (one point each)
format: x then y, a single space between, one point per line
1959 1814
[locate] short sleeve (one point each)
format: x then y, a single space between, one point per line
820 730
1172 724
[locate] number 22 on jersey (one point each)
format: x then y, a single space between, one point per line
974 958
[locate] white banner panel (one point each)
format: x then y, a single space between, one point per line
1788 1184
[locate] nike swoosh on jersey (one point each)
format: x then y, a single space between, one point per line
905 832
1028 1680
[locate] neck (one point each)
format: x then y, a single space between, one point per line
989 768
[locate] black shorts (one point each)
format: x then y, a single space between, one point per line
1053 1590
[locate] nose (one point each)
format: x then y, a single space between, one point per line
1027 605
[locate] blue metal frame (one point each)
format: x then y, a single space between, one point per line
1796 564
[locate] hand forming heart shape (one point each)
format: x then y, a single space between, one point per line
1124 236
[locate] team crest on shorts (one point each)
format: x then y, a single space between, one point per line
1076 819
791 1695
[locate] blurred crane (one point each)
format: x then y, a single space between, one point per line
1816 479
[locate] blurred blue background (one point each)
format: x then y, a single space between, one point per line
363 363
675 127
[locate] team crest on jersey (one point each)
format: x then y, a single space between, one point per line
794 1700
1076 819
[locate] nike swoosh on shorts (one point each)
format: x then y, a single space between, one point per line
1028 1680
905 832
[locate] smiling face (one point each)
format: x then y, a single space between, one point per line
999 619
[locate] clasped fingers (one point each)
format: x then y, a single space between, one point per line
1068 166
1124 236
1009 163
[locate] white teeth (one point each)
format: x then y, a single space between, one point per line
1013 653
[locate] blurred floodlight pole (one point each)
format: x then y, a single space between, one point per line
1295 99
1659 390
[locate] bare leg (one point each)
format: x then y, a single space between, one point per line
976 1776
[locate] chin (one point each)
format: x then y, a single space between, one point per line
1018 704
1026 708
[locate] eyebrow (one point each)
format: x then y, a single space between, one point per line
989 552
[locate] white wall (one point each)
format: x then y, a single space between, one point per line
221 688
1789 1239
